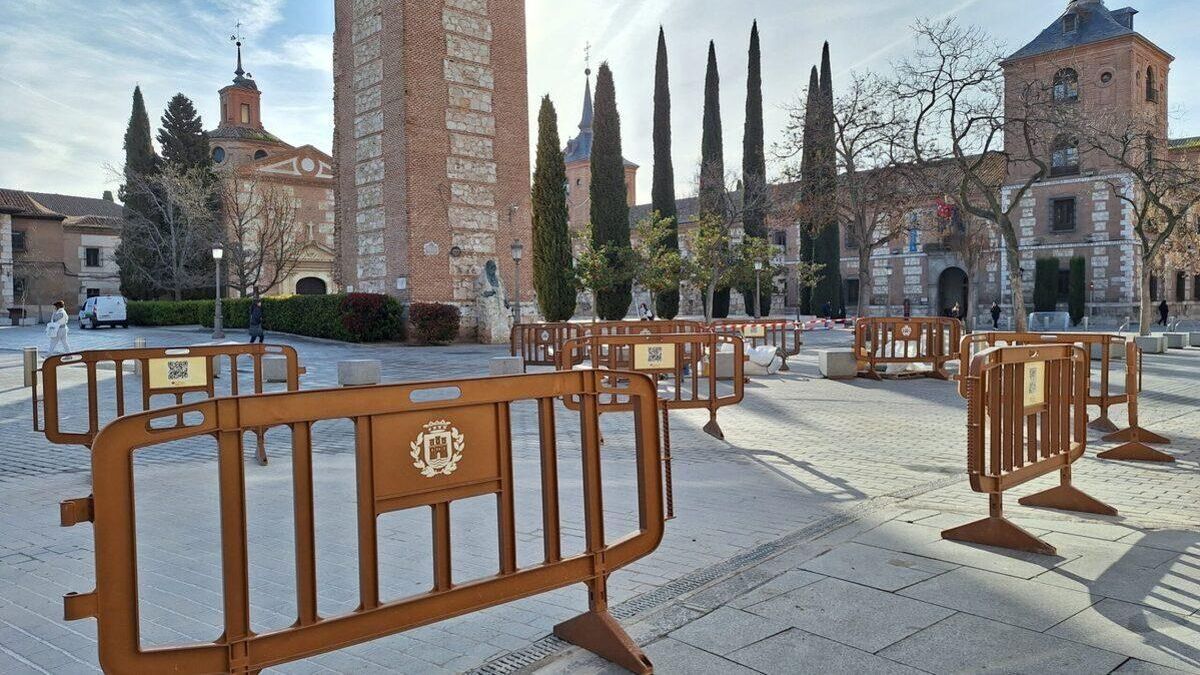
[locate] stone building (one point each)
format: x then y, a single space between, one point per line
56 247
431 146
261 167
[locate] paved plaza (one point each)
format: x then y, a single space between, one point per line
806 541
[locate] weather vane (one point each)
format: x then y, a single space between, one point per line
587 58
237 36
237 39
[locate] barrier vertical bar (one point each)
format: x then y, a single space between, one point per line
235 560
304 524
548 438
368 550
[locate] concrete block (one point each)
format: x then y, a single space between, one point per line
724 365
1176 340
837 364
274 368
506 365
1152 344
1194 339
1115 352
359 372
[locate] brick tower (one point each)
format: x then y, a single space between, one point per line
431 146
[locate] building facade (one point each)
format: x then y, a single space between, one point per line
431 147
284 194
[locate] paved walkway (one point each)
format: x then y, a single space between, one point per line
811 533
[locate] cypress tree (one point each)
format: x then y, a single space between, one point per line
610 207
754 169
140 160
711 195
807 182
552 264
827 237
182 136
662 190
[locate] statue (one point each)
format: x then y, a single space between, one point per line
491 307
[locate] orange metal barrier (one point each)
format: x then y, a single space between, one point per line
881 341
788 336
1104 343
1026 417
162 371
538 344
1135 438
410 452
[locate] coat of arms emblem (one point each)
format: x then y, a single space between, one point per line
438 449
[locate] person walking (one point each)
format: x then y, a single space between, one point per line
256 321
907 308
956 312
644 313
1164 313
995 315
57 329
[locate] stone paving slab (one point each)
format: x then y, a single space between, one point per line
795 650
876 567
999 597
1145 633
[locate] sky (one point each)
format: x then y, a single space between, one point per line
68 67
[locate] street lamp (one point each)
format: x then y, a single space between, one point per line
518 250
757 289
890 271
218 334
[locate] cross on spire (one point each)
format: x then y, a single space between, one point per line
587 58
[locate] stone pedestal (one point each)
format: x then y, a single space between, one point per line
837 364
274 368
1176 340
1151 344
506 365
491 307
1194 339
359 372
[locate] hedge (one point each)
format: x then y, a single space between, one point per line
1077 303
435 323
1045 285
354 317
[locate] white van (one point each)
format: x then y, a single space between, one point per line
103 310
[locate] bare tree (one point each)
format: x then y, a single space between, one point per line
175 235
264 238
954 92
1161 191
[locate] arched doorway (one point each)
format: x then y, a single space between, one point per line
311 286
952 290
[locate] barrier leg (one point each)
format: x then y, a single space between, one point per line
666 460
712 428
599 633
998 531
1067 497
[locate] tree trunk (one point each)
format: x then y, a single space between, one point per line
1146 309
1016 289
866 283
708 306
972 298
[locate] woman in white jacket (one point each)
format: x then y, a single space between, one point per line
57 329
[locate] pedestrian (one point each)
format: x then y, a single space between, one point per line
956 312
826 311
1164 312
907 308
57 329
256 321
644 313
995 315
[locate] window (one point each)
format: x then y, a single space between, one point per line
1106 77
1154 287
93 292
1150 144
1066 86
913 240
1151 85
18 240
20 286
1064 285
779 238
1062 214
1070 23
261 154
91 257
245 113
851 292
1180 287
1064 160
1196 288
850 240
218 154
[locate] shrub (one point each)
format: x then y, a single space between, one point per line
357 317
434 323
1045 285
1077 301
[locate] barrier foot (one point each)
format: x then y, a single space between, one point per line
1136 452
940 375
1102 424
1067 498
600 634
1136 435
999 532
785 368
713 429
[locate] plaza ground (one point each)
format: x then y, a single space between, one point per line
806 541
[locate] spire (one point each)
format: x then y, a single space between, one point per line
241 77
585 124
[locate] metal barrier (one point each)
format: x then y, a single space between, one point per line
410 452
1135 438
162 371
882 341
787 336
1104 343
1026 417
538 344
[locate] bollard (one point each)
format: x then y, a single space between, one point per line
358 372
138 343
30 355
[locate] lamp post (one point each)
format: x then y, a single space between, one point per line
518 250
890 271
218 334
757 289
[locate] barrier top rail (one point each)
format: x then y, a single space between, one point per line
417 445
162 371
895 340
1026 417
539 343
677 357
